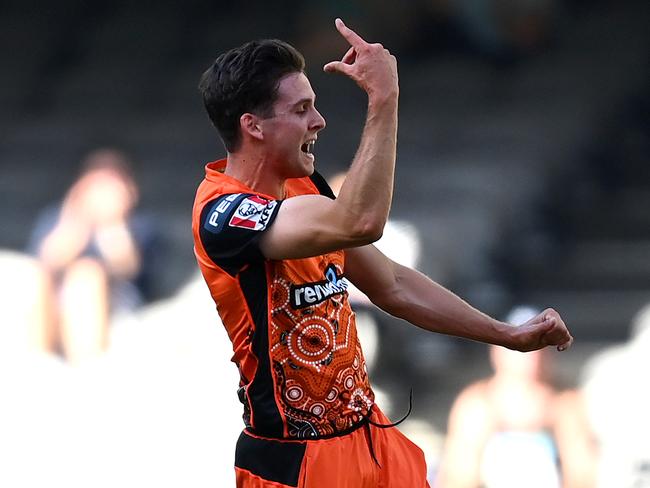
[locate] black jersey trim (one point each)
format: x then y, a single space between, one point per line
269 459
266 419
321 185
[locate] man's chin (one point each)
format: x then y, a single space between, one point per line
304 174
308 168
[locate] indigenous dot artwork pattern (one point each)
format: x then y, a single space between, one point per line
322 384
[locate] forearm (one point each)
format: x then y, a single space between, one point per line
410 295
428 305
367 191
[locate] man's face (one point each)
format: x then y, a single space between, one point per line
290 133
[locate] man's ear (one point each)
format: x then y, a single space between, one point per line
250 124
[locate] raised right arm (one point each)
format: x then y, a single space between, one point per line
310 225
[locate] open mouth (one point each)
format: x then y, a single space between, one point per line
308 147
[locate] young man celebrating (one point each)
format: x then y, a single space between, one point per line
278 253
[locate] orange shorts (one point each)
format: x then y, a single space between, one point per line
338 462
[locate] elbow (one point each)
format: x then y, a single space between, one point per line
361 223
373 231
368 231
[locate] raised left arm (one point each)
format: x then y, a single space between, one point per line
410 295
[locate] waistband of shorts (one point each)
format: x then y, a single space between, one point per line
364 421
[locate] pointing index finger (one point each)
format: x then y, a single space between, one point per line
352 37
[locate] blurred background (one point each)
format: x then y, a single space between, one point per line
522 183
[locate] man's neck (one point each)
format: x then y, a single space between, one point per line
255 173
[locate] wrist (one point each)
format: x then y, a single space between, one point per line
506 335
383 100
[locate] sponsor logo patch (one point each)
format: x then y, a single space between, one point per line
253 213
214 221
313 293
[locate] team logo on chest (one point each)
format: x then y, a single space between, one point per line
310 294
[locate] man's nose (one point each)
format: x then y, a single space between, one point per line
319 121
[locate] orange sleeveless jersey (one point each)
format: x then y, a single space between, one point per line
303 374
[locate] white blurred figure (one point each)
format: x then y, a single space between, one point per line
25 324
618 404
169 424
33 383
400 240
149 412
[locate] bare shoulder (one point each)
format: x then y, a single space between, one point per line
473 399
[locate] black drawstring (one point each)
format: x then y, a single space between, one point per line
385 426
372 449
369 422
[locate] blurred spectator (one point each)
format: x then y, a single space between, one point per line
573 433
617 399
97 252
505 431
